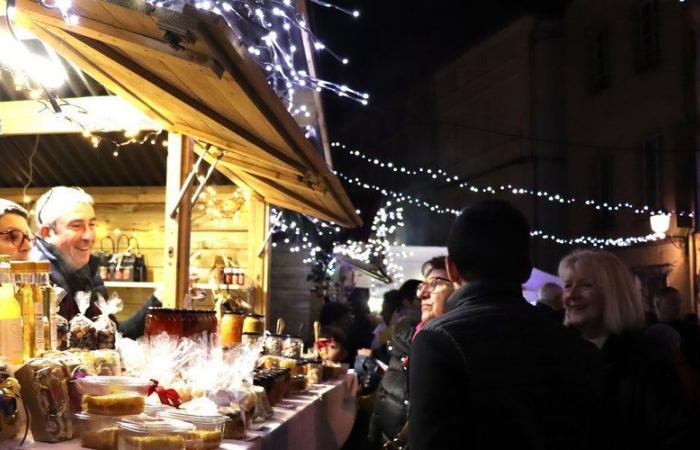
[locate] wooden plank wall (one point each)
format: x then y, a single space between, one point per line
140 212
290 294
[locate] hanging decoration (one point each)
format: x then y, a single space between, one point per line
599 242
221 209
441 176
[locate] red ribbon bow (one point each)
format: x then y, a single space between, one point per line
168 397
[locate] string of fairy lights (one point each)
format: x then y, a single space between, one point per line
599 242
441 176
379 249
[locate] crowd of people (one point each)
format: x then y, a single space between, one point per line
461 360
65 236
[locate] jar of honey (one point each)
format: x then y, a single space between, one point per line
254 323
231 329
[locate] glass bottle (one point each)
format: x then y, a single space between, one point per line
49 307
10 316
24 294
38 308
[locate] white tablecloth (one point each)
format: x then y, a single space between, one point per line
319 419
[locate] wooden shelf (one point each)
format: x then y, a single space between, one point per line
132 284
153 285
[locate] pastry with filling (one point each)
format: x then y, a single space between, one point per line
120 404
154 443
100 440
204 439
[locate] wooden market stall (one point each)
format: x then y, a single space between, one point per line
186 73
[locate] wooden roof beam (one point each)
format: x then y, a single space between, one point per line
103 114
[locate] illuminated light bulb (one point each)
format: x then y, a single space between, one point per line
660 223
346 60
356 14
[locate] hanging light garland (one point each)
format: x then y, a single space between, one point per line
540 234
379 250
439 175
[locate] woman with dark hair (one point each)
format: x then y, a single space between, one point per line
388 424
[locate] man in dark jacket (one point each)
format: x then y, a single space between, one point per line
493 372
66 219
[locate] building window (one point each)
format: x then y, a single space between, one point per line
653 147
649 50
600 64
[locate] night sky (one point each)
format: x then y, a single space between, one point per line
393 45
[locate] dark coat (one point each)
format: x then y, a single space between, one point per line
87 279
556 315
493 372
391 407
644 396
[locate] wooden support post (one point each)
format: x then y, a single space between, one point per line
258 266
176 267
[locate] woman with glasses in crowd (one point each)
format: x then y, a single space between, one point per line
644 399
388 425
15 237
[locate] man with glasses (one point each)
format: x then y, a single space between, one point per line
389 418
65 218
493 372
15 237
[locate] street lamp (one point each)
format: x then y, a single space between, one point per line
660 223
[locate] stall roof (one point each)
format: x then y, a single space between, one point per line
188 72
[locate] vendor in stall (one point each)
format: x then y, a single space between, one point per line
15 237
65 220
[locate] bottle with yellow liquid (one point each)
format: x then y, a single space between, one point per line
32 330
10 316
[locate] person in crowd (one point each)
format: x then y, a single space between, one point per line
360 334
550 301
383 332
389 418
667 306
409 310
333 345
15 237
493 372
337 315
65 218
644 397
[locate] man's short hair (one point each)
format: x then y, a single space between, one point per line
490 240
434 263
57 201
10 207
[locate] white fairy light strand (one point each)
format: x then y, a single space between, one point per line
272 32
378 248
540 234
442 176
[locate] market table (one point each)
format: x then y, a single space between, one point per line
320 418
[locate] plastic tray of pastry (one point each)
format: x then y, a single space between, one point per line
154 409
155 433
209 428
104 385
97 432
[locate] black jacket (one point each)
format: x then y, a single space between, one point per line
493 372
644 396
391 407
87 279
